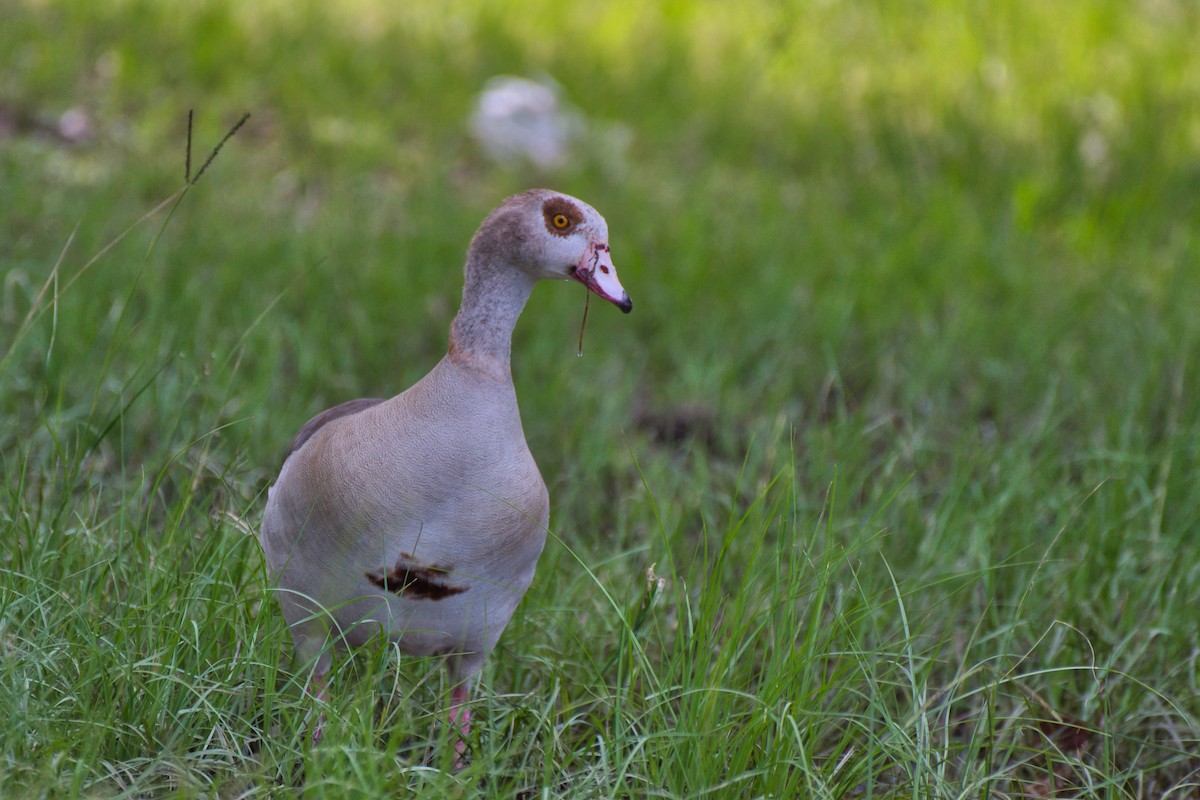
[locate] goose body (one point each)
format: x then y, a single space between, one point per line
421 517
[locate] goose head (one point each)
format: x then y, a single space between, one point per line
558 237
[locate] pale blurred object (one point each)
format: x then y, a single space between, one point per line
75 125
518 121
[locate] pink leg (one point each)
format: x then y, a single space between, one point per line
460 718
315 689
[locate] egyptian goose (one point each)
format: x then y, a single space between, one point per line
422 517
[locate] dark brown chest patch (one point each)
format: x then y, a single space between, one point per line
414 580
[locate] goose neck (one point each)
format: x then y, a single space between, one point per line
494 295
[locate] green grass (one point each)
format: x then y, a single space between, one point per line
905 417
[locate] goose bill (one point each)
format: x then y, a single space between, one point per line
598 274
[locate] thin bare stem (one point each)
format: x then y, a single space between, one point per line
187 160
236 126
587 294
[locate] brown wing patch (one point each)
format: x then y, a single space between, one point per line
414 580
327 416
560 205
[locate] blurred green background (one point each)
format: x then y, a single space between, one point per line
933 263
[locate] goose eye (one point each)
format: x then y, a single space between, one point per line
560 221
